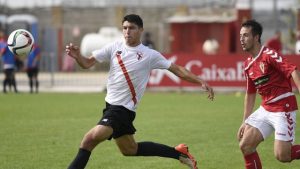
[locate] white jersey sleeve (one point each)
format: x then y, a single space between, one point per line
103 54
158 61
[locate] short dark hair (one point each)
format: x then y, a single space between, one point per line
256 28
133 18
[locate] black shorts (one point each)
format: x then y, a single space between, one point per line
9 73
32 72
119 118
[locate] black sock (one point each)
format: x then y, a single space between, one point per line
31 85
80 160
155 149
5 83
36 86
14 84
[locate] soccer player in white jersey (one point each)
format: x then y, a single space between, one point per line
130 65
268 74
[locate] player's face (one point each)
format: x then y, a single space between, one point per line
132 33
247 39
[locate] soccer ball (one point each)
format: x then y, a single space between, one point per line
20 42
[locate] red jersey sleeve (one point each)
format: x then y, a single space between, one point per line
281 64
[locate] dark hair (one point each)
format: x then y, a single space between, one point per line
133 18
256 28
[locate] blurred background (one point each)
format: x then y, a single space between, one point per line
202 35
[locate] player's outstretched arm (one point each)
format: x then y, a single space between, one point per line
186 75
296 78
74 52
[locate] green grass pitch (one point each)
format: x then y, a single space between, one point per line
43 131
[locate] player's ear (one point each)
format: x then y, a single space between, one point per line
141 30
256 38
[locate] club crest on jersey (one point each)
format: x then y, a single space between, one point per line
139 55
262 67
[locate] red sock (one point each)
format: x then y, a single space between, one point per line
252 161
295 152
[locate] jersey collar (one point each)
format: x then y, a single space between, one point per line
132 48
254 59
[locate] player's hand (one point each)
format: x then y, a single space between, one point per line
208 89
73 51
241 132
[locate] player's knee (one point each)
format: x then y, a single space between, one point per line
246 148
283 157
89 141
89 137
129 150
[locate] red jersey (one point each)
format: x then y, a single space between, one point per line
269 74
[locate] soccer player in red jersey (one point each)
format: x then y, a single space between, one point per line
268 74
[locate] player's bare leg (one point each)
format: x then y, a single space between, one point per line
91 139
286 152
96 135
282 150
250 140
127 145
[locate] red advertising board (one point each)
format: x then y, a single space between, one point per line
220 71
